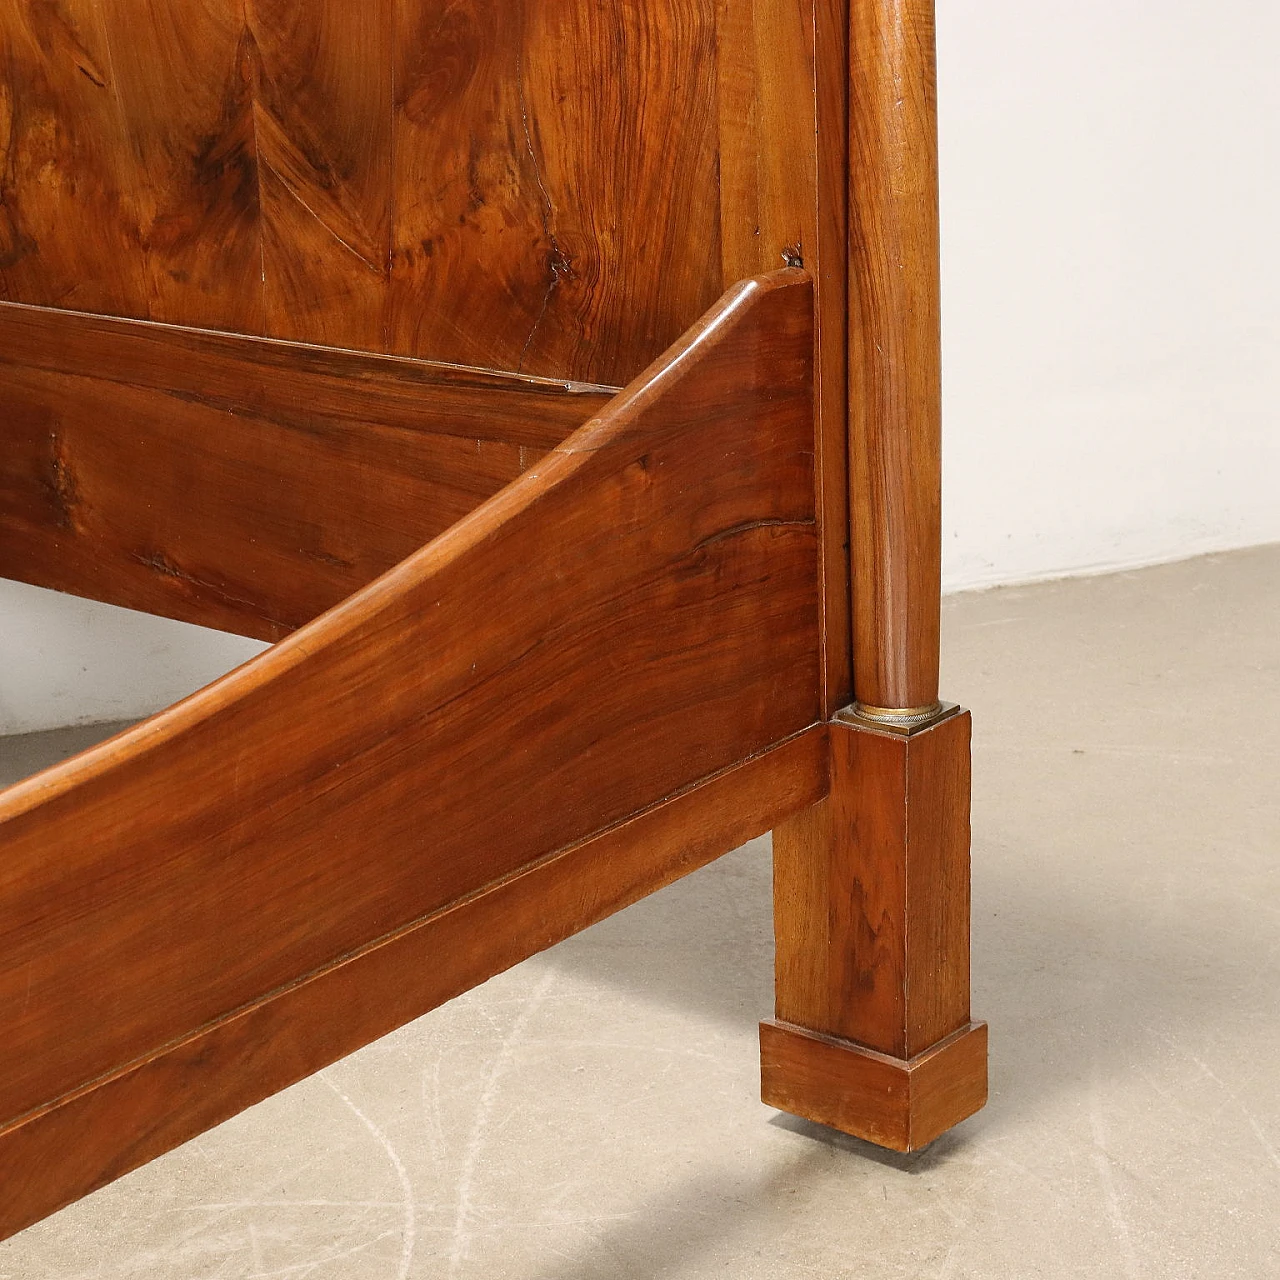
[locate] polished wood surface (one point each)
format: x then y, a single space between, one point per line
239 483
871 892
831 390
743 540
871 916
894 354
555 182
871 887
634 614
523 186
68 199
903 1105
322 89
783 195
555 189
121 1121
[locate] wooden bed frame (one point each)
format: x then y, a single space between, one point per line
389 333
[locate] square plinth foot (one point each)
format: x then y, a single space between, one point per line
899 1103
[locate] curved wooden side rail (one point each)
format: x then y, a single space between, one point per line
601 678
244 483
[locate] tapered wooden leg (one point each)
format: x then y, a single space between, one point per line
871 906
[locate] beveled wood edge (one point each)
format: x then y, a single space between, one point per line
184 716
622 411
899 1103
88 1138
283 351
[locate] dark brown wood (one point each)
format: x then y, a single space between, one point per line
871 905
634 614
895 1103
894 354
123 1120
239 483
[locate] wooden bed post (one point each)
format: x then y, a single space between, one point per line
873 1033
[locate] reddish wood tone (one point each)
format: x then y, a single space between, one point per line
68 199
239 483
556 189
322 113
549 188
831 84
899 1104
632 615
872 920
783 158
871 892
872 885
183 76
871 909
894 354
556 179
120 1122
525 186
768 152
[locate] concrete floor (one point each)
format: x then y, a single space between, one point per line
592 1114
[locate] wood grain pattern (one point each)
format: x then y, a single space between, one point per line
469 226
150 1106
184 73
528 186
900 1104
871 893
68 215
322 122
238 483
546 188
871 913
555 167
635 613
894 354
767 131
783 191
871 886
831 357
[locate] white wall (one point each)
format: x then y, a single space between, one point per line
1111 282
1111 288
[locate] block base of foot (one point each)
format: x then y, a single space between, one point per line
899 1103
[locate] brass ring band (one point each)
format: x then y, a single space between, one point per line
898 715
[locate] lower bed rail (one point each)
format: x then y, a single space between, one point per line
601 678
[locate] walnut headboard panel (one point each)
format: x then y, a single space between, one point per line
524 185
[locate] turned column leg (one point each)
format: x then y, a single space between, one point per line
873 1032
